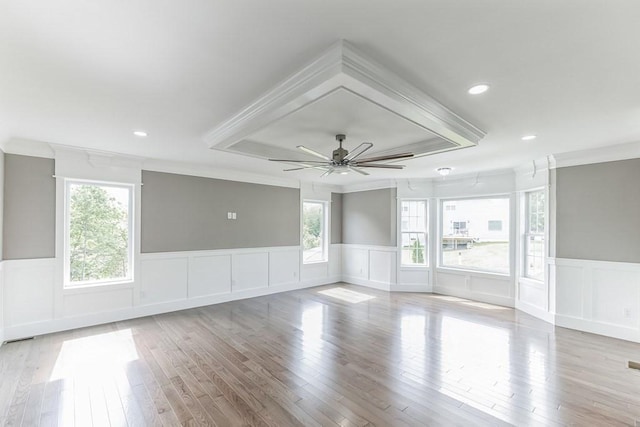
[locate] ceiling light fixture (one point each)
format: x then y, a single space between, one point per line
140 133
478 89
528 137
444 171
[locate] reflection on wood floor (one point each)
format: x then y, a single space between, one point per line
332 355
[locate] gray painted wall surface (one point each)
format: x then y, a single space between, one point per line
183 213
336 217
369 217
598 211
29 207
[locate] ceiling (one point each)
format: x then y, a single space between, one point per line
86 74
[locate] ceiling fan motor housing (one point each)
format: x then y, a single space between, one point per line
340 153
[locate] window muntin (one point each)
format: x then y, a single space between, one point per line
98 233
469 238
413 229
314 232
534 244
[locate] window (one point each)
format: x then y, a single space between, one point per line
314 232
98 230
413 228
494 225
534 235
475 234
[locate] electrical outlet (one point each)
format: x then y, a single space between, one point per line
627 312
234 215
229 215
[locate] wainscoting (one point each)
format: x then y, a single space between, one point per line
372 266
599 297
35 304
475 285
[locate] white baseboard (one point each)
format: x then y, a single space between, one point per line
536 312
67 323
368 283
475 296
599 328
413 287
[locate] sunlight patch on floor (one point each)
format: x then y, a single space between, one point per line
346 295
95 356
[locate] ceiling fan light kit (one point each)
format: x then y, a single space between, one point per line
342 161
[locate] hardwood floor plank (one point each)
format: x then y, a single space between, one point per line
307 358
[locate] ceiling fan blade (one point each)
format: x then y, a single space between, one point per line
377 165
328 172
389 157
358 150
355 169
305 167
313 152
296 161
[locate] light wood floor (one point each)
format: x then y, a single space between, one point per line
318 357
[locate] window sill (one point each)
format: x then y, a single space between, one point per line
99 287
414 267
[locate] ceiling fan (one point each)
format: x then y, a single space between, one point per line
342 161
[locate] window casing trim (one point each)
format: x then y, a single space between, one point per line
326 205
125 282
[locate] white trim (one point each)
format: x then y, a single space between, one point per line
342 66
534 311
610 153
212 252
66 323
600 328
368 186
370 247
367 283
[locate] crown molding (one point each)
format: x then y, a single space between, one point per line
369 185
343 67
611 153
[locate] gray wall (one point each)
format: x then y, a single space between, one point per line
183 213
598 211
369 217
336 217
29 207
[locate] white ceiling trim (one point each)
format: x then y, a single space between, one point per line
342 67
612 153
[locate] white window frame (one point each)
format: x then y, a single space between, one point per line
324 232
539 233
410 231
67 284
441 211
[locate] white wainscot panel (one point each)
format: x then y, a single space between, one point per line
97 302
355 262
209 275
163 279
495 286
29 286
451 281
335 260
316 272
413 277
284 267
484 287
533 293
569 292
615 296
382 266
249 271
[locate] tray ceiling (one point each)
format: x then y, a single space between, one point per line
342 91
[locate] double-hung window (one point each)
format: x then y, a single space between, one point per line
98 233
413 228
314 232
534 235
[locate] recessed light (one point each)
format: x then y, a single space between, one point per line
444 171
478 89
528 137
140 133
